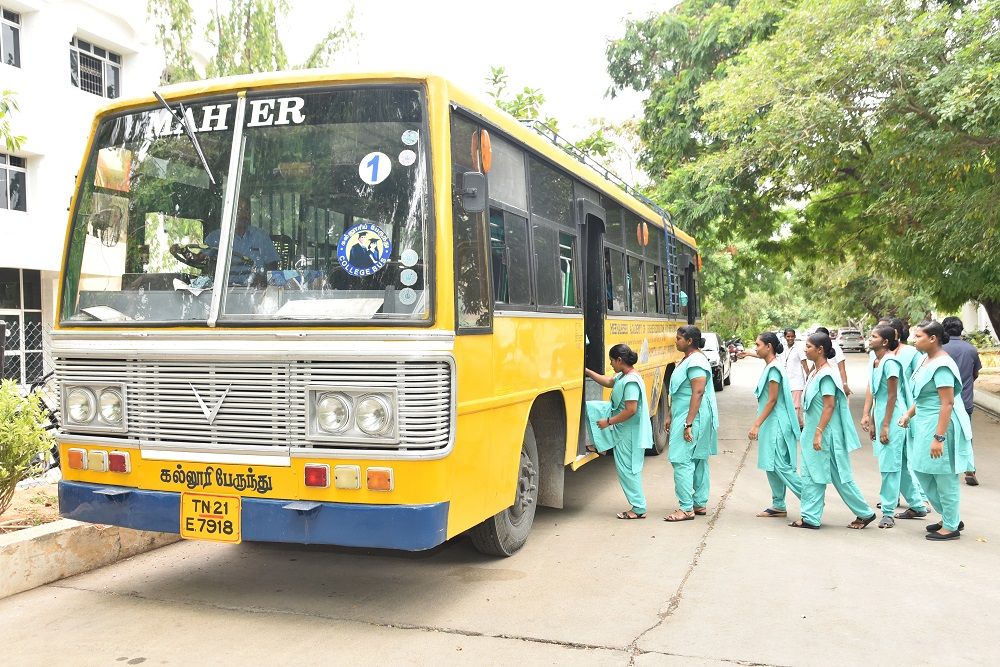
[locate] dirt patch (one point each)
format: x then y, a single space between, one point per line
31 507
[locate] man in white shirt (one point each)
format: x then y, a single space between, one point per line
792 358
839 362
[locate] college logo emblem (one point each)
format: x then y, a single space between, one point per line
364 250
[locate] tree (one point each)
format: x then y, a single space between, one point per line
883 118
604 141
245 38
877 119
8 105
525 105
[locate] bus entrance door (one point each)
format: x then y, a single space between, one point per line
591 218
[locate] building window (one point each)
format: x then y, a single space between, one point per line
13 182
94 69
10 38
21 313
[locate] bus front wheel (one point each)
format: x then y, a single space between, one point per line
506 532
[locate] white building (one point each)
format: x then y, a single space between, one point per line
63 59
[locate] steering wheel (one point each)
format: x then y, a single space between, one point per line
192 254
198 256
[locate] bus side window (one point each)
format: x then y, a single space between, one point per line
567 268
635 284
472 287
614 270
509 254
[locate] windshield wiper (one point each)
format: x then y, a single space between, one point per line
182 118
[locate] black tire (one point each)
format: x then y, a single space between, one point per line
717 381
729 378
660 434
506 532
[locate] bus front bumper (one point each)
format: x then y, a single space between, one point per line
404 527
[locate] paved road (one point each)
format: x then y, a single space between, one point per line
587 588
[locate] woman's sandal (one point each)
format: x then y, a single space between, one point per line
941 537
935 527
700 511
772 512
630 515
593 450
910 513
887 522
861 524
802 524
684 516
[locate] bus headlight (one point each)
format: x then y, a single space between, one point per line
112 407
333 412
95 407
81 405
374 414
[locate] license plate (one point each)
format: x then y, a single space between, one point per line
210 517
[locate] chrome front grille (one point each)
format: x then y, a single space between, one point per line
264 403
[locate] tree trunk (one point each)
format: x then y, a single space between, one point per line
993 311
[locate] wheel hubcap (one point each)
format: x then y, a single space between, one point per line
527 485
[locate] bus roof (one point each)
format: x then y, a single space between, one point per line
473 103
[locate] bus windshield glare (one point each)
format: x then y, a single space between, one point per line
329 205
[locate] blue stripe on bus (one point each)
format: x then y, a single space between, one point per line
405 527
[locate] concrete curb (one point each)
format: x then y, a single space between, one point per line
36 556
987 400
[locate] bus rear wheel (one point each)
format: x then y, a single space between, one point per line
506 532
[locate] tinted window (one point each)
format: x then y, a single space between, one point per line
652 289
547 276
567 268
471 287
583 192
614 269
509 250
631 225
507 175
613 234
634 284
551 193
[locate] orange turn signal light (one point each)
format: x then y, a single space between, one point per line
380 479
77 459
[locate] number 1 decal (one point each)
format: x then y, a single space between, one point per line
375 168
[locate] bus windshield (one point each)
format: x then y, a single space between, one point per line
329 207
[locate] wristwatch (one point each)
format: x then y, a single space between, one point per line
691 425
939 438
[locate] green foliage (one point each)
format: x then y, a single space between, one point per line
525 105
982 339
8 105
22 437
879 120
174 26
244 37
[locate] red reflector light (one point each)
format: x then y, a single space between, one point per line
118 462
318 475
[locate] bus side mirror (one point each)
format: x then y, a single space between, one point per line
473 192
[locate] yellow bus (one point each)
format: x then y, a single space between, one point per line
344 309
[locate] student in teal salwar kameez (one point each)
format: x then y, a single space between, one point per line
940 440
776 429
828 437
888 400
622 425
693 425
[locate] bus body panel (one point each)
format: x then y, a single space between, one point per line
498 376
